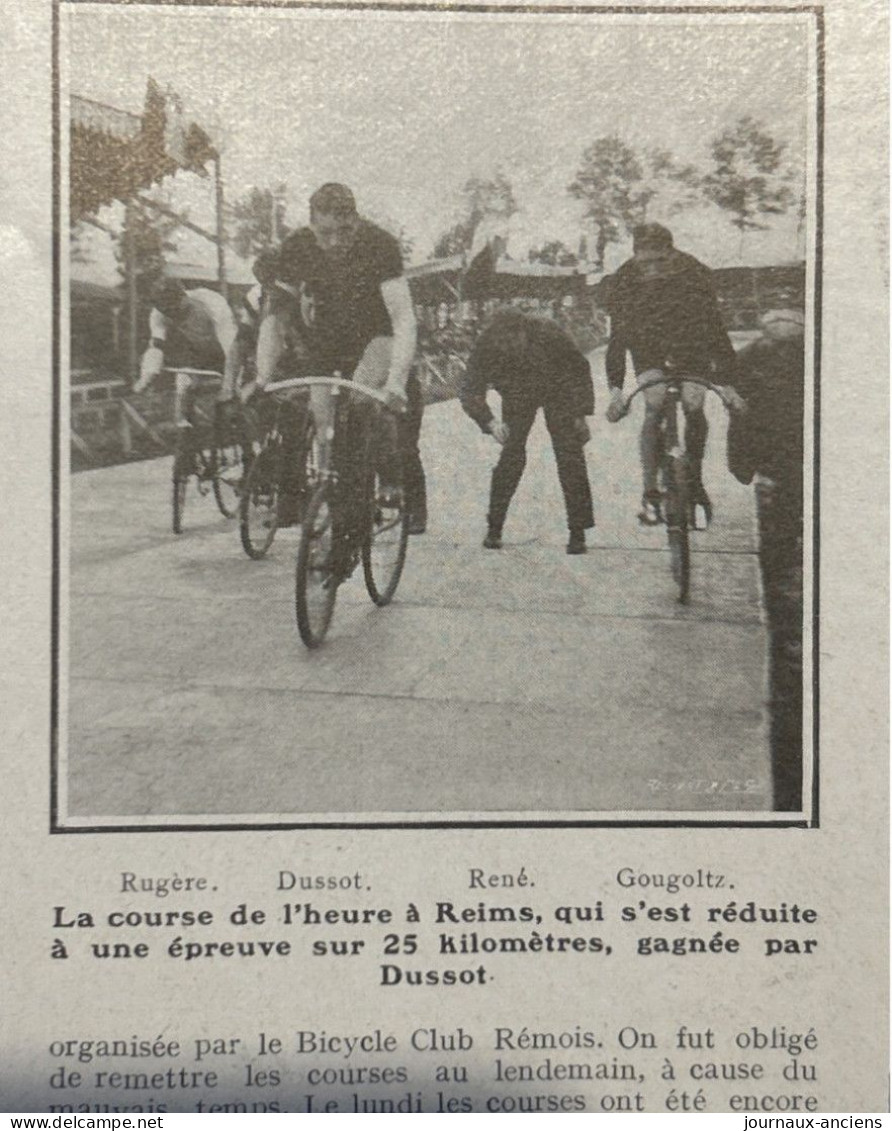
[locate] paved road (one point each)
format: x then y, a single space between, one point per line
497 683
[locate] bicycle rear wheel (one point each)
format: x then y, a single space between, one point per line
677 504
227 475
315 585
259 503
384 548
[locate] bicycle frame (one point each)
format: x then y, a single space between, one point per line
675 471
347 520
184 381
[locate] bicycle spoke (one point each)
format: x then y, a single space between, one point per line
384 552
316 578
259 504
227 479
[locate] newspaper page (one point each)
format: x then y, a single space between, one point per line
376 742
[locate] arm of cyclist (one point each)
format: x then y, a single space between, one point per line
398 301
724 359
234 355
272 338
153 359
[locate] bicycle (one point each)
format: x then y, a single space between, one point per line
283 473
214 455
678 498
356 512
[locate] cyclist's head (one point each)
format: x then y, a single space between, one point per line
333 217
783 325
266 267
169 297
652 248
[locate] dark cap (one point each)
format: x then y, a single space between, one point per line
333 200
651 237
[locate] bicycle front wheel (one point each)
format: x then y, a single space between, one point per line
677 507
315 586
259 504
384 549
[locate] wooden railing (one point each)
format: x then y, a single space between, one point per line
108 426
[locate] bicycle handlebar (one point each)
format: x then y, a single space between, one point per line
328 382
194 372
670 379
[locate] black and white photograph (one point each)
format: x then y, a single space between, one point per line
436 410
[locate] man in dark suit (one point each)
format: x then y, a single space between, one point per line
766 447
532 363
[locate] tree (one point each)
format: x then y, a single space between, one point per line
481 199
258 220
153 237
670 183
611 184
748 179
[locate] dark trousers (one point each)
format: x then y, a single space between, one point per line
409 433
568 453
780 557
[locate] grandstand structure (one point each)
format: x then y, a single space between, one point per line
116 156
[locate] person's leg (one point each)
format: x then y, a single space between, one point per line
696 429
413 470
508 471
371 372
348 455
322 408
650 446
780 558
184 463
293 423
569 455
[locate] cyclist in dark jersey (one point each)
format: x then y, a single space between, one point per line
343 278
766 447
663 310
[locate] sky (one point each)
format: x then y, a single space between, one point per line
406 107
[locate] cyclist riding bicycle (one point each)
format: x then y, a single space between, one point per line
189 329
340 288
664 311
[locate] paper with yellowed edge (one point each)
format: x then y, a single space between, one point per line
511 843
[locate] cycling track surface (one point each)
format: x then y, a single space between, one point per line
516 685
